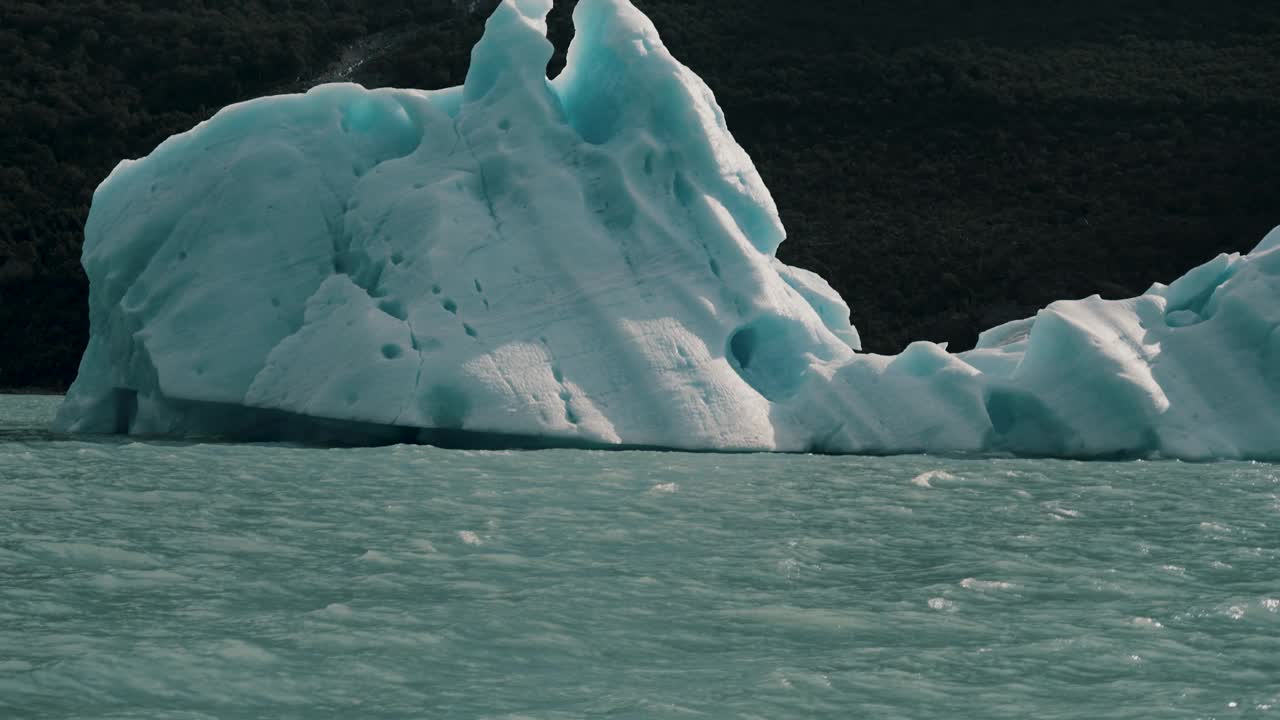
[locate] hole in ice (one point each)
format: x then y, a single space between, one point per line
715 267
769 354
648 164
479 289
1023 423
391 351
275 302
450 305
683 190
607 193
504 125
397 258
742 346
447 406
435 290
125 401
470 330
566 397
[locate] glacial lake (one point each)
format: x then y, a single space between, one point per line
151 579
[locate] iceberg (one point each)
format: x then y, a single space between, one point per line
589 261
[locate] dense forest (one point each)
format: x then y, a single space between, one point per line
947 164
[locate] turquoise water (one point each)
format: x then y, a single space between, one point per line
172 580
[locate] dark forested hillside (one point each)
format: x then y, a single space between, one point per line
947 164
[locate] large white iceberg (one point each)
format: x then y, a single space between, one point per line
589 261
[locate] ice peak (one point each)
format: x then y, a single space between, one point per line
514 50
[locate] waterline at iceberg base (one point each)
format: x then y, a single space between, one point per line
589 261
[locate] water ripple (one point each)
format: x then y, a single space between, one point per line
171 580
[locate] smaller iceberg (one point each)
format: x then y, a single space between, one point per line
589 261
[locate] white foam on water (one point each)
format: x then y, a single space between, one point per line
337 610
378 558
242 651
980 585
926 479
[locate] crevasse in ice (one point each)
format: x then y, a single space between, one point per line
589 261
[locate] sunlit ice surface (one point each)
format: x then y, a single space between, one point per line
591 261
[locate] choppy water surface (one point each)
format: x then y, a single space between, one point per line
170 580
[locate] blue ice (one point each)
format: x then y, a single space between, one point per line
589 261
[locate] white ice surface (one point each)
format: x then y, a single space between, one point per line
591 261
